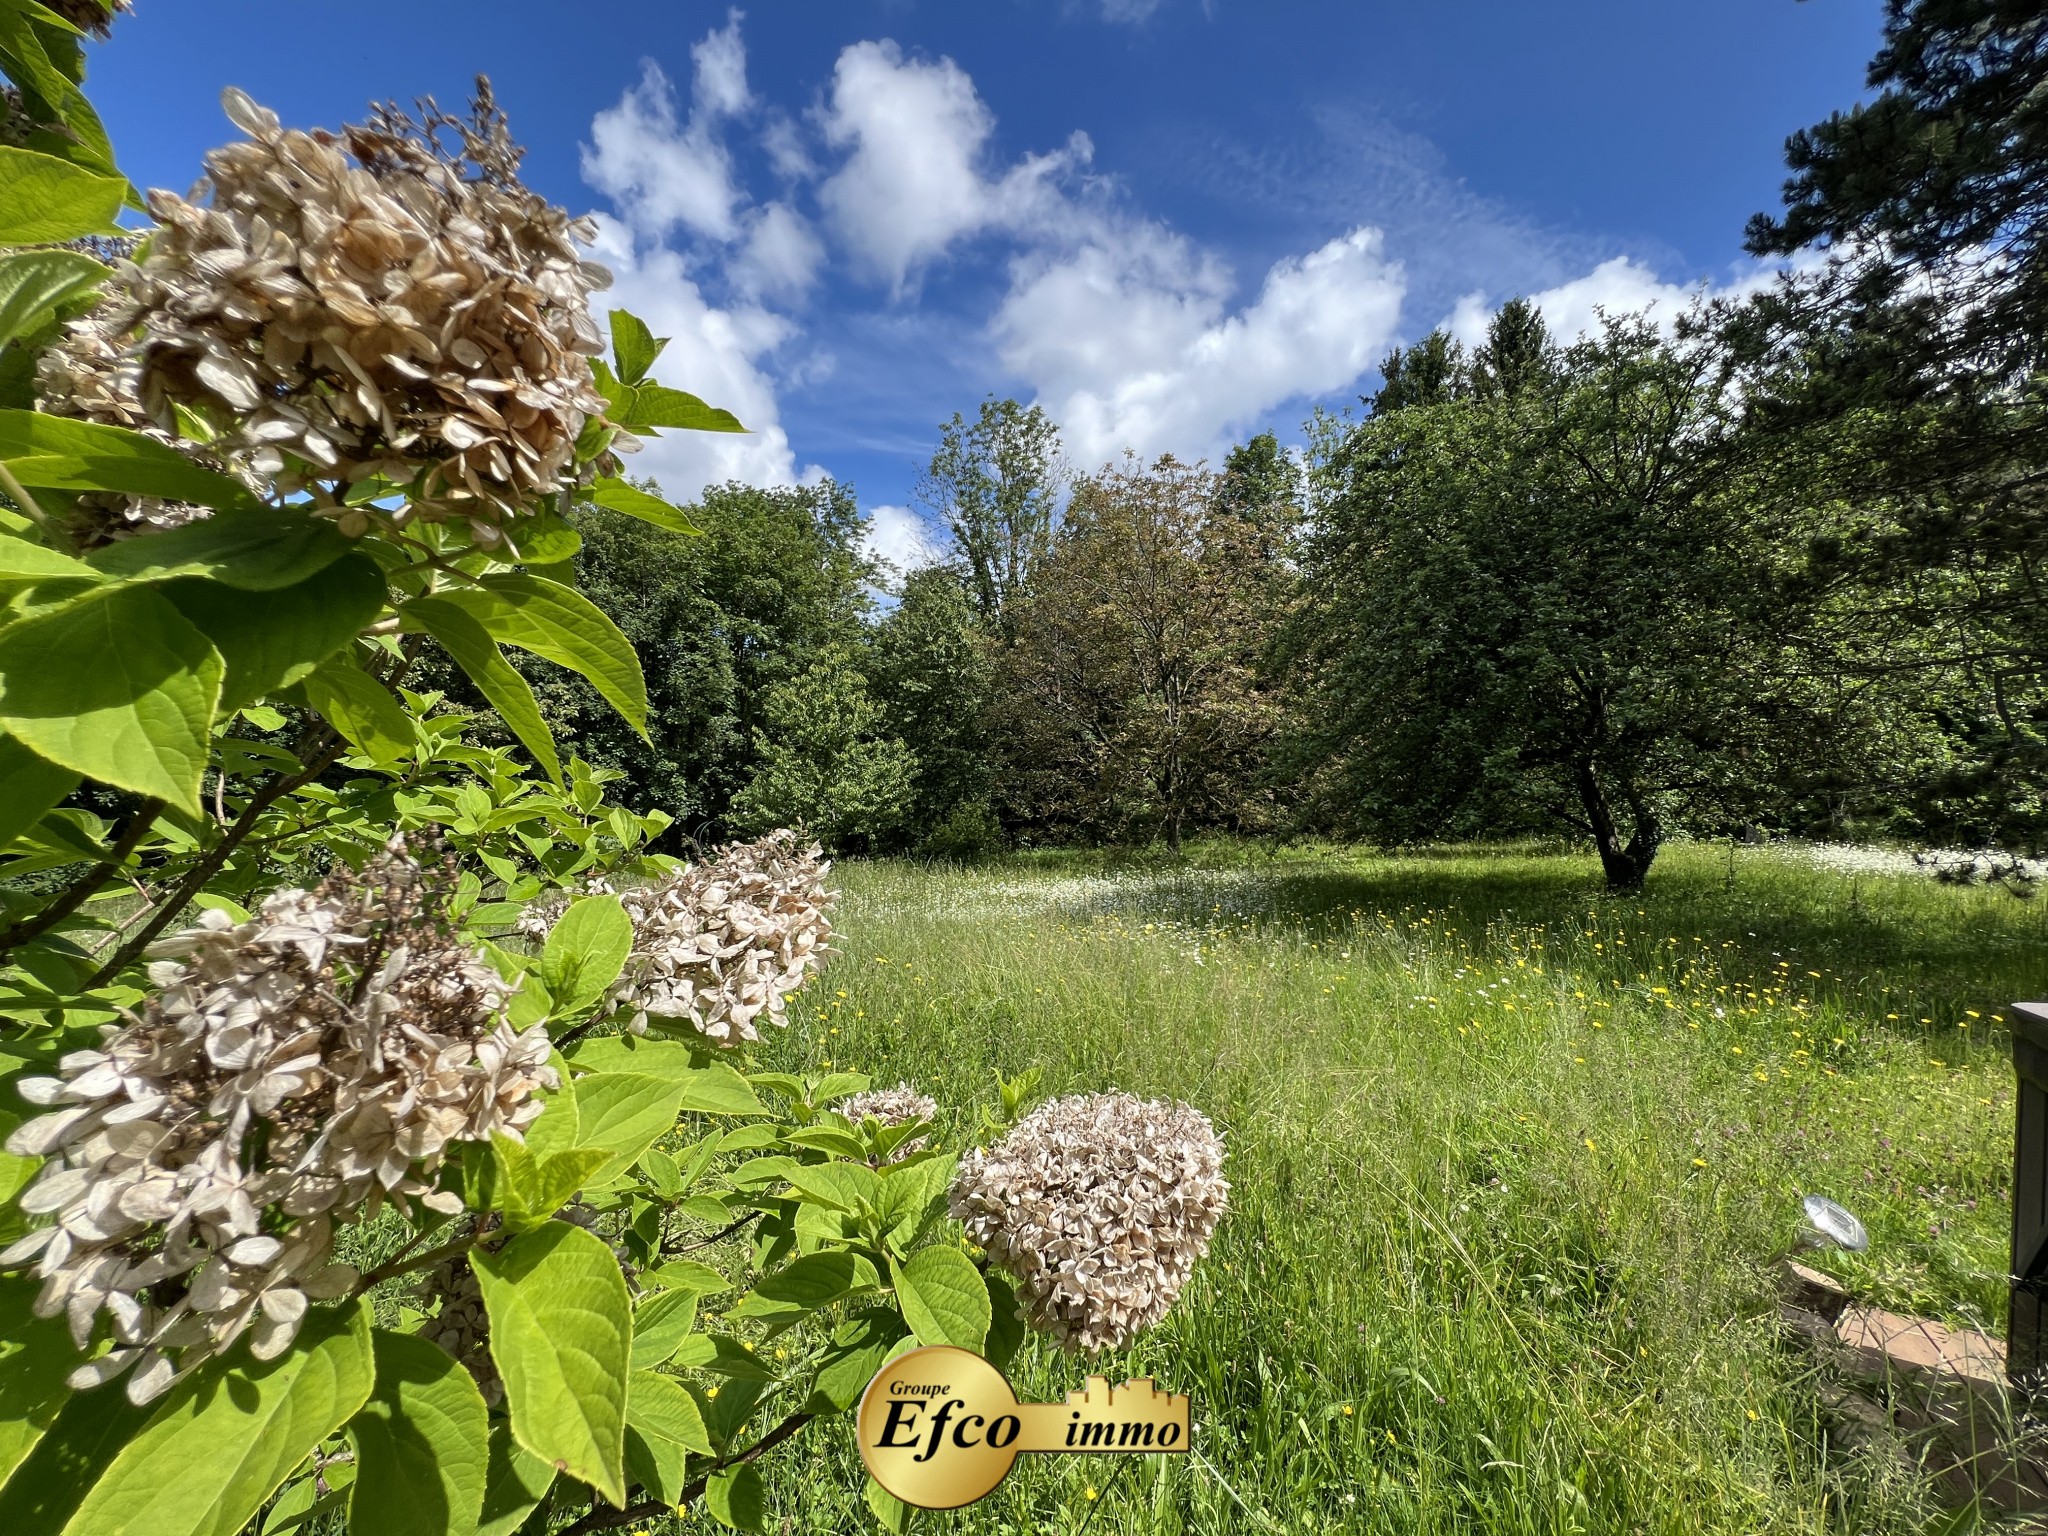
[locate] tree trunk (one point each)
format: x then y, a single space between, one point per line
1626 865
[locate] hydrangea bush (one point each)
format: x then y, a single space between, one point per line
381 1146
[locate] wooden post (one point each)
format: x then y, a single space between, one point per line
2026 1350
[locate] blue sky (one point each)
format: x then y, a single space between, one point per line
1173 223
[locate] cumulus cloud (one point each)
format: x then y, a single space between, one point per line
1130 345
915 135
714 353
901 539
1620 286
661 173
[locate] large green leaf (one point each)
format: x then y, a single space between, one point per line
564 626
21 561
362 709
255 551
943 1298
843 1186
26 33
271 640
714 1088
531 1188
44 200
517 1482
69 1459
655 406
625 1114
226 1438
622 496
59 454
859 1349
116 685
660 1324
473 650
585 950
29 786
422 1444
737 1498
562 1337
658 1405
801 1287
634 347
34 283
36 1354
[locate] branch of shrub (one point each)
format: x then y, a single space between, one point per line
75 894
649 1509
717 1237
214 858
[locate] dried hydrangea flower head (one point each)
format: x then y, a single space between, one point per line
721 945
292 1073
889 1106
390 303
1098 1205
462 1327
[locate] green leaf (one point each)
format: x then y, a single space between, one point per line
362 709
634 347
422 1444
517 1482
36 1354
585 951
717 1089
564 626
473 650
723 1356
625 1114
858 1350
259 551
912 1194
800 1287
891 1511
228 1436
562 1337
530 1188
44 200
556 1128
59 454
34 283
737 1499
115 685
658 1405
660 1324
660 1467
271 640
656 406
943 1297
843 1186
29 786
620 496
1005 1322
689 1275
72 1456
22 561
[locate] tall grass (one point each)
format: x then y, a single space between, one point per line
1512 1161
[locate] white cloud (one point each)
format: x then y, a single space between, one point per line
659 174
720 60
1129 344
781 256
1620 286
713 353
901 538
916 133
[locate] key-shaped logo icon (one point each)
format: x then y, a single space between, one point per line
939 1427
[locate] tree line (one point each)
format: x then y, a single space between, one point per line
1771 563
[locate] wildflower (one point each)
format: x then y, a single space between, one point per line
292 1073
720 945
367 305
1098 1205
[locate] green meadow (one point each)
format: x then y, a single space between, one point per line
1512 1161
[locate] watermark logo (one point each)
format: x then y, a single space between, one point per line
940 1427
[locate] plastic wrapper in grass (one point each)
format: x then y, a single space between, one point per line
292 1073
1099 1206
